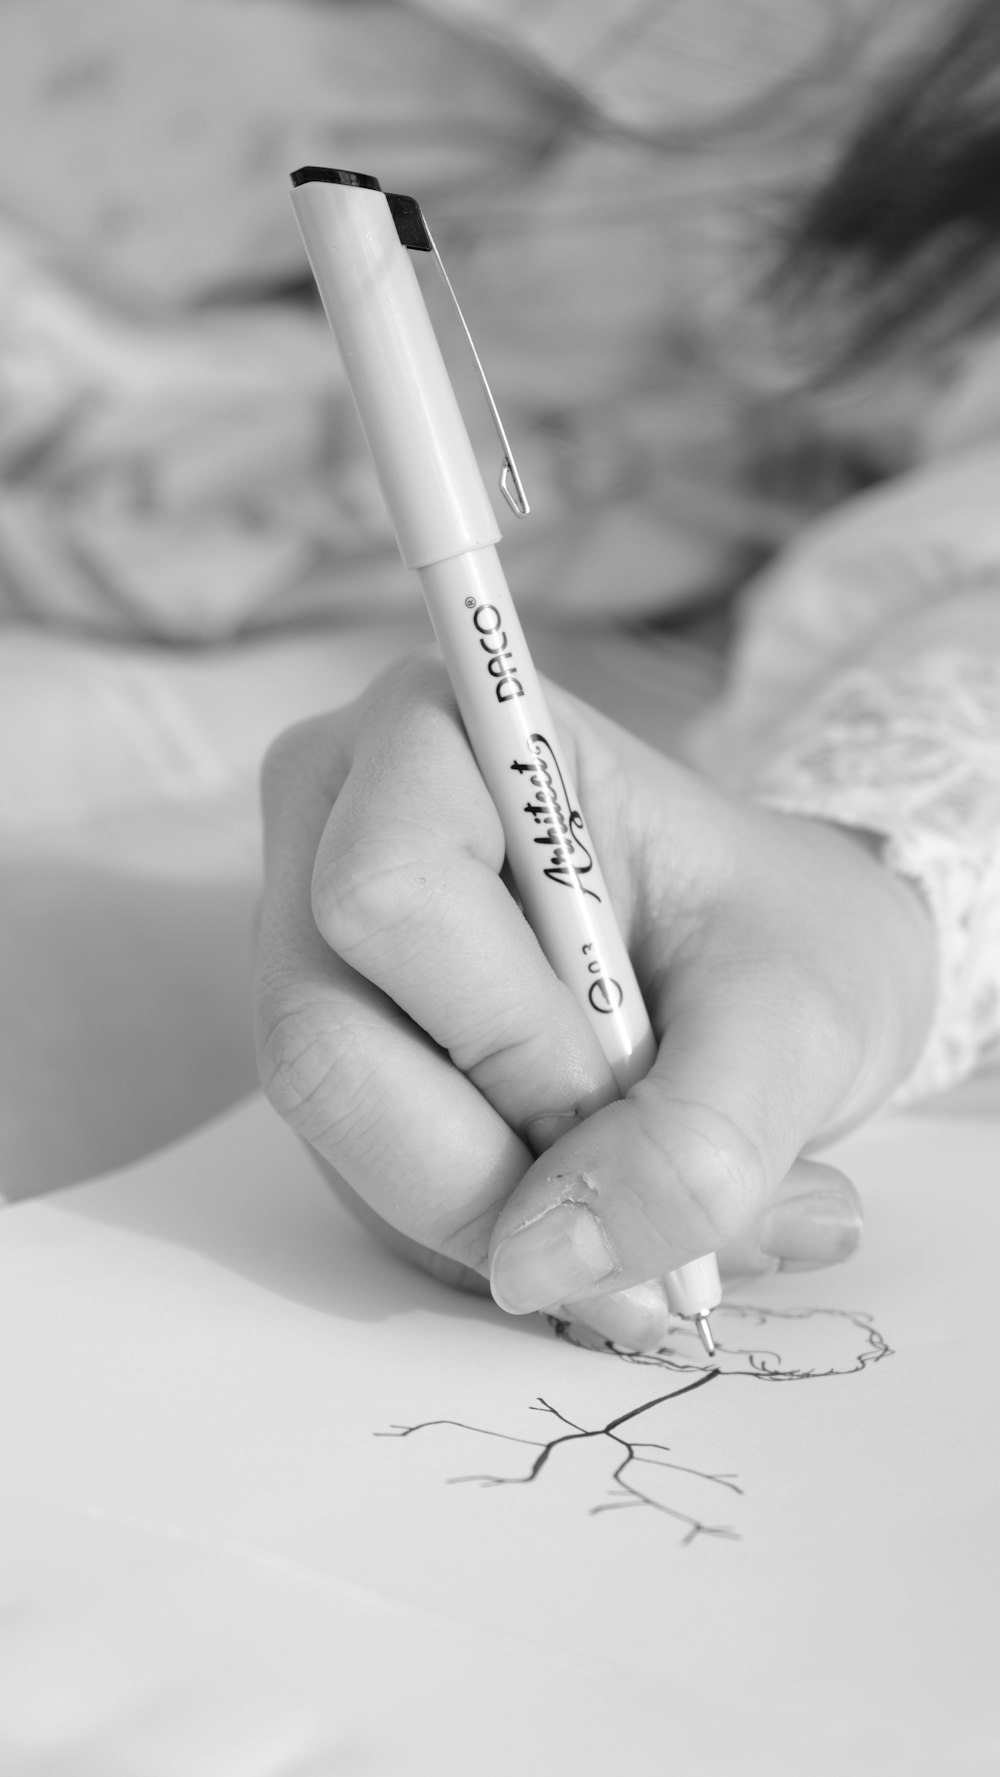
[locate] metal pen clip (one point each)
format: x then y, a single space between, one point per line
413 232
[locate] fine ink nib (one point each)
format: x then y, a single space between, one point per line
704 1326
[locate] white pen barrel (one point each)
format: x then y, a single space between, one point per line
446 529
549 849
411 420
695 1288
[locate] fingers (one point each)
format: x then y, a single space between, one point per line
692 1159
407 890
405 879
423 1258
636 1319
338 1060
814 1218
412 1031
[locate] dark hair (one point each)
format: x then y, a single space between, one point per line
899 249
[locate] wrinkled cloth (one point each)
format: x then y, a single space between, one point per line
866 691
178 452
178 456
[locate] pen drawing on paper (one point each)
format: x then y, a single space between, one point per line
756 1344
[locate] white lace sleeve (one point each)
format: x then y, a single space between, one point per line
912 751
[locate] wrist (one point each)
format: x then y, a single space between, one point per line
892 957
909 747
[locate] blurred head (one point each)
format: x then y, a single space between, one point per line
899 247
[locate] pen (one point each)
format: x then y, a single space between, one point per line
358 239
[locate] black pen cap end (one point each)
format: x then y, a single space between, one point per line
333 176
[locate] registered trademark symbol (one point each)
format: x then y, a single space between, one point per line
469 603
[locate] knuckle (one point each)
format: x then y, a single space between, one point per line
316 1072
408 688
370 891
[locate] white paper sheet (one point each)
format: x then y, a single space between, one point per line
226 1549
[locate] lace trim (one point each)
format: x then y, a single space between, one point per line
912 751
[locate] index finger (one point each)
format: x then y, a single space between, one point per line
340 1062
407 890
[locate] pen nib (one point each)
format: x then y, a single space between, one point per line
704 1326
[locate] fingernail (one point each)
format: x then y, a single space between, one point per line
561 1255
804 1232
542 1131
636 1320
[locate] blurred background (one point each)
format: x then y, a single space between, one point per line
193 551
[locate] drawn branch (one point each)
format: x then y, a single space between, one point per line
630 1491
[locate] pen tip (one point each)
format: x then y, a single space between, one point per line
704 1326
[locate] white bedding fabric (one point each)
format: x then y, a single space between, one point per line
178 461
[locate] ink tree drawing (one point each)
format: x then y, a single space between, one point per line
753 1344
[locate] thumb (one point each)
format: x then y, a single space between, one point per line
690 1162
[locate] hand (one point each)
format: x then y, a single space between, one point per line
411 1030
